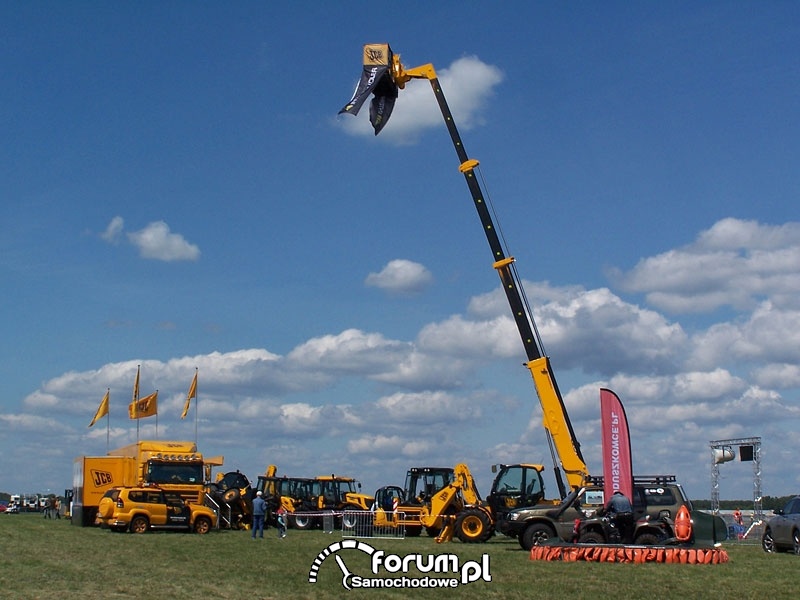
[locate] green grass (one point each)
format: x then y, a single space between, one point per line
45 559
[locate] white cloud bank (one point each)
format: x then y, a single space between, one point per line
367 404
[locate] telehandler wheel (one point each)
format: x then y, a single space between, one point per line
302 521
473 526
350 520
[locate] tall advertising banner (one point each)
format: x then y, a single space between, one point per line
617 464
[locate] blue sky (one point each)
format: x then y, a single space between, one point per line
179 193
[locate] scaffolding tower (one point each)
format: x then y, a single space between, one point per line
749 450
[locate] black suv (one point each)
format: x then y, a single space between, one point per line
656 498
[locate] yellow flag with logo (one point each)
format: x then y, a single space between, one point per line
144 407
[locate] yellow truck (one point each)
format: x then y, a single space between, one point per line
174 466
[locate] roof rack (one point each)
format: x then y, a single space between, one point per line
637 479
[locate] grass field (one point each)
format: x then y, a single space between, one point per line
46 559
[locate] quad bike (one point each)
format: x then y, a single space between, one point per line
604 529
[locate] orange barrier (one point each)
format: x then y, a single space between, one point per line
630 554
683 525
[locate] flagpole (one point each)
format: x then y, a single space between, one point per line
156 419
136 401
108 420
196 402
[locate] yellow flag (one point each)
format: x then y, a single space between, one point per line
102 410
144 407
192 394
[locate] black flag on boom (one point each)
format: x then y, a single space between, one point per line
376 79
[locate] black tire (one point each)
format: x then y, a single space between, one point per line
202 525
592 537
768 542
351 520
648 539
302 521
231 495
474 526
536 534
140 524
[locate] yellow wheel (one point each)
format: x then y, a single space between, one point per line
140 525
202 525
473 526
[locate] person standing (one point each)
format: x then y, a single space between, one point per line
620 513
259 511
281 520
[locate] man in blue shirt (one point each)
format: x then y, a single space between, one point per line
620 513
259 511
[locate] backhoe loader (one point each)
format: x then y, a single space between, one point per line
458 510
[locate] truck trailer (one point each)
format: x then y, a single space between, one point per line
93 476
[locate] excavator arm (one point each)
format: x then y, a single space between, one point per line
564 446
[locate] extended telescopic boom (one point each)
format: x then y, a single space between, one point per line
384 75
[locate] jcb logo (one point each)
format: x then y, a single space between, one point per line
102 478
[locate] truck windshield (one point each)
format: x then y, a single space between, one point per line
174 472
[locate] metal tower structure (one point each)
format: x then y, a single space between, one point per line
749 450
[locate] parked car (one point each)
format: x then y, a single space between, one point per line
139 509
13 509
782 532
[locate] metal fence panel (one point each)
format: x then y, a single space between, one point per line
364 524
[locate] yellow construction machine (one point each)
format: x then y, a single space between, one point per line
383 76
457 509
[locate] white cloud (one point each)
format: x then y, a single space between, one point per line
468 85
778 375
349 351
734 263
401 276
112 232
594 330
770 334
157 242
426 406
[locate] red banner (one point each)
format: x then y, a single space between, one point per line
617 465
